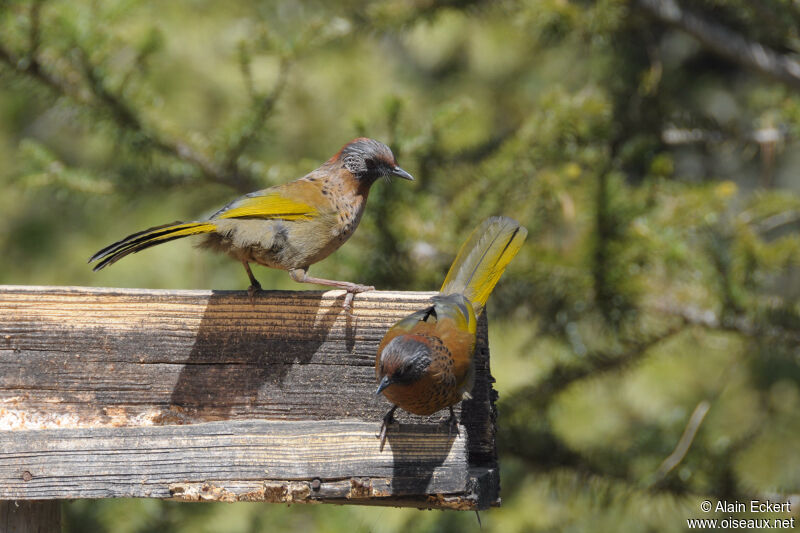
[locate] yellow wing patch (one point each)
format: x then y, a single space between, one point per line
271 205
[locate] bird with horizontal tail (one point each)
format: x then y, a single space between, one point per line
425 361
289 226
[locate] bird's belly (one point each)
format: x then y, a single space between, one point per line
325 234
281 244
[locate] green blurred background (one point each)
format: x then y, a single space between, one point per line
656 171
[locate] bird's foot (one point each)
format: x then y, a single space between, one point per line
452 423
388 419
252 290
351 292
382 434
300 275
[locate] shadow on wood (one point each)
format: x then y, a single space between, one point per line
258 354
412 474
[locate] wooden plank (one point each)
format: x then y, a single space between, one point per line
144 461
161 370
30 517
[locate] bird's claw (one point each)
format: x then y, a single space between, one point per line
452 424
388 418
351 292
362 288
382 435
252 290
348 301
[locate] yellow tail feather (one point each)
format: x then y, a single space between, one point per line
147 238
184 230
483 258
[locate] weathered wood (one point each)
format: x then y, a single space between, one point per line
30 516
120 392
64 463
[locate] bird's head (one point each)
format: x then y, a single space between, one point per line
403 361
368 160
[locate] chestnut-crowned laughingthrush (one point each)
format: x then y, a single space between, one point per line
289 226
425 361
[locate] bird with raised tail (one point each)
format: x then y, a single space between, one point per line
425 361
288 227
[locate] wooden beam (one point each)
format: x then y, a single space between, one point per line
201 395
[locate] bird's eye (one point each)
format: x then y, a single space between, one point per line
402 372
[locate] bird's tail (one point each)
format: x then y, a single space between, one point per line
147 238
483 258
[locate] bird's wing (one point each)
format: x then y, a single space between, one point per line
265 204
411 321
297 200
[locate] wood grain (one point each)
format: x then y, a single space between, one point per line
205 395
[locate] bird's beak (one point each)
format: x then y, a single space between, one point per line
385 382
400 173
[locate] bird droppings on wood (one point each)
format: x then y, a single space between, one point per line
360 488
454 503
196 492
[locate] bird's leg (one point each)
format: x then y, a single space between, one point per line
452 422
255 286
388 418
300 275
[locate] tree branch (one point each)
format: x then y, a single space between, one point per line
263 109
736 323
685 442
124 116
725 42
127 118
30 67
778 221
562 375
34 33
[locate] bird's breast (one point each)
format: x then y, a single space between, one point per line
348 210
424 396
442 383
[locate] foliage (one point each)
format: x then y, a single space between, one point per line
657 181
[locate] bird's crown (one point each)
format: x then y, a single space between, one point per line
366 157
405 359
